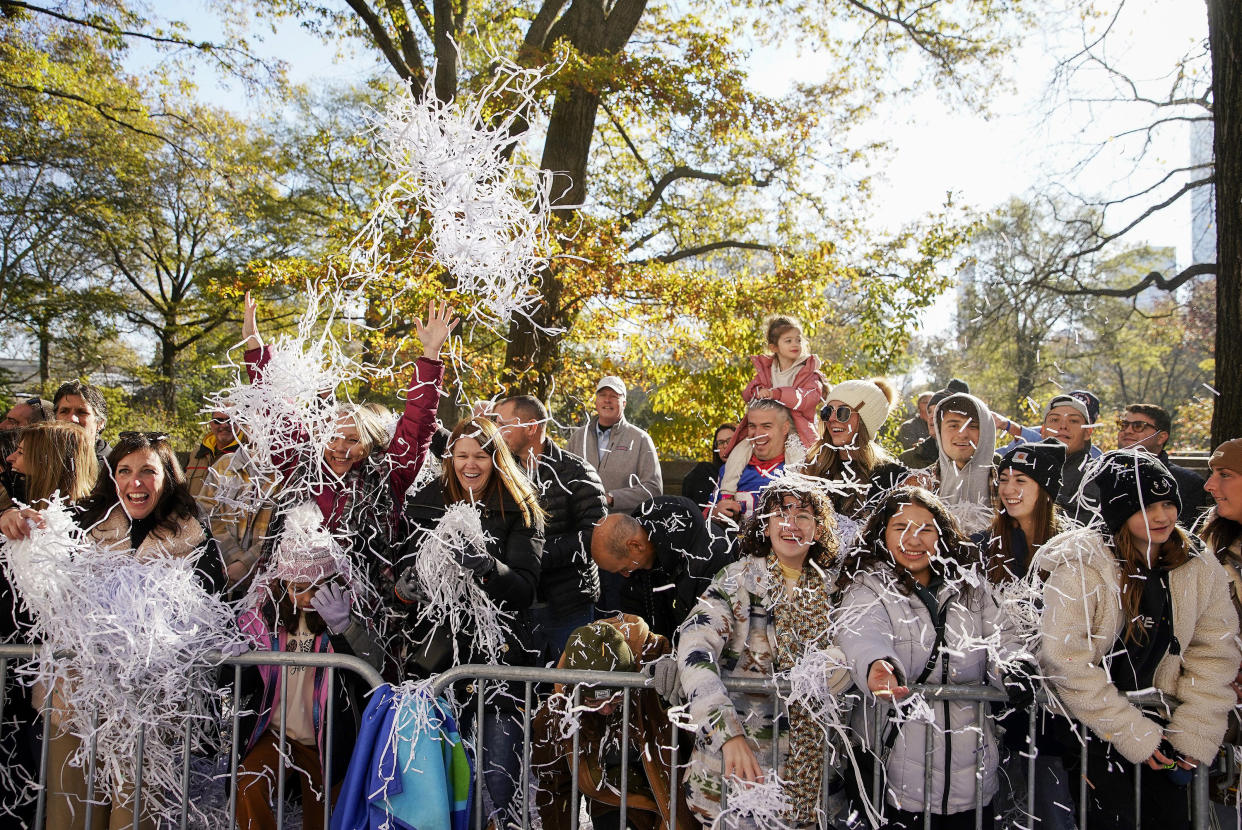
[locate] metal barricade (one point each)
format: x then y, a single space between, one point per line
331 663
627 683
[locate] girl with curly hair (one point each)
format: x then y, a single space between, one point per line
916 609
759 617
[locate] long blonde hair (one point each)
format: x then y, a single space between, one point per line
59 456
507 473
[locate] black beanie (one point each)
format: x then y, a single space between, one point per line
1130 480
1040 461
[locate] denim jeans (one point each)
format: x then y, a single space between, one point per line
552 630
501 764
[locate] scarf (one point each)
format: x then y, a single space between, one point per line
801 617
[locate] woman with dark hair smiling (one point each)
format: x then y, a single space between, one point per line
143 507
1131 603
916 610
759 617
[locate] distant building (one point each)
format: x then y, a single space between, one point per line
1202 199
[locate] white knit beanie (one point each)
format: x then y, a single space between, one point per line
864 396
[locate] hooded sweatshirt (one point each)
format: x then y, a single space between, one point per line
973 483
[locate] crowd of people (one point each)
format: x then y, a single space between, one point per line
988 552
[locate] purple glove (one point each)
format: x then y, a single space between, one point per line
332 602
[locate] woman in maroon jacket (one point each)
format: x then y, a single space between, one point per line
361 477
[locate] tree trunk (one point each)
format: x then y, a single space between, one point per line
45 356
532 354
168 369
1225 42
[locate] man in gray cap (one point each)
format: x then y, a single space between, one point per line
623 454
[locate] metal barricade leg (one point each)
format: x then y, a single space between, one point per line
282 747
1031 760
137 797
1138 795
478 759
185 775
575 806
980 714
92 764
329 718
625 754
234 748
1201 802
1082 780
525 776
929 755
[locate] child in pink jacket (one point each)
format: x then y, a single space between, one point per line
789 375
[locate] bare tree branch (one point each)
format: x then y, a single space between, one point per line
1153 280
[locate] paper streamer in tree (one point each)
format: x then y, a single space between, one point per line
485 214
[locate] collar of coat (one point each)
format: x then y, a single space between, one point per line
112 532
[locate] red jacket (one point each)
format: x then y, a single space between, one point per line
405 453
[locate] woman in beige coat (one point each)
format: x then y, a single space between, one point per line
1132 603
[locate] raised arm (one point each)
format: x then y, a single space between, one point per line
409 443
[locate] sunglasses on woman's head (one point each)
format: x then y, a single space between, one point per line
150 436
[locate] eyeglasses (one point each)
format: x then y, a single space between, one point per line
36 401
153 437
1135 426
841 413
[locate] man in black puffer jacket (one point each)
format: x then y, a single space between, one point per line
573 496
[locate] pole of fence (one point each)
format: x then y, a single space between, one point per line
625 753
574 806
1031 760
235 749
280 747
1082 779
929 755
41 804
525 777
478 757
185 774
1138 795
329 679
92 764
137 799
980 723
1200 798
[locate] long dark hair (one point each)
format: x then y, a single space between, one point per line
1048 520
175 504
1131 561
753 539
953 554
1218 532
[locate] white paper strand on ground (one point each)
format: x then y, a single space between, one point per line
487 214
454 598
758 805
139 631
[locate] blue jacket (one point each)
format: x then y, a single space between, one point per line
401 777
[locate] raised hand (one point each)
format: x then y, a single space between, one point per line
332 602
250 324
440 324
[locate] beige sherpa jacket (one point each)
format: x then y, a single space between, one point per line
1082 619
